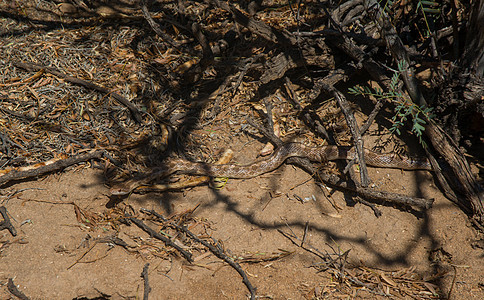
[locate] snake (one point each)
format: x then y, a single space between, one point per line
321 154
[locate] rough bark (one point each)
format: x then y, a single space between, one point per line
473 57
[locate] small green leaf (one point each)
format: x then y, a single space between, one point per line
431 10
421 121
429 3
417 128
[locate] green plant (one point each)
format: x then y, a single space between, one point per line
431 8
404 107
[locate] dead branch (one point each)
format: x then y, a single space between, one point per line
156 28
355 132
167 241
12 288
147 288
6 224
48 167
216 250
460 178
257 27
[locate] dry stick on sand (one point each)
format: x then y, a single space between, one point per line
147 288
167 241
48 166
34 67
6 224
216 250
12 288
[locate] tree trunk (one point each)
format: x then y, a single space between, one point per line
468 92
473 58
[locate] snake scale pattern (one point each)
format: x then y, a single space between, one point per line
316 154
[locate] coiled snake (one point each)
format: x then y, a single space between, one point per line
315 154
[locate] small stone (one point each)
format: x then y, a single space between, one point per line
67 8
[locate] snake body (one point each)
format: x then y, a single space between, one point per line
315 154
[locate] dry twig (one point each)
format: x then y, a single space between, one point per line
216 250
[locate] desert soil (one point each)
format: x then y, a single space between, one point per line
245 216
69 228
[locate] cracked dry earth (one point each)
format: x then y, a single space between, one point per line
245 217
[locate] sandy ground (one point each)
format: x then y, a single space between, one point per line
245 216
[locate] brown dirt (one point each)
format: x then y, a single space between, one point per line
245 218
55 256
